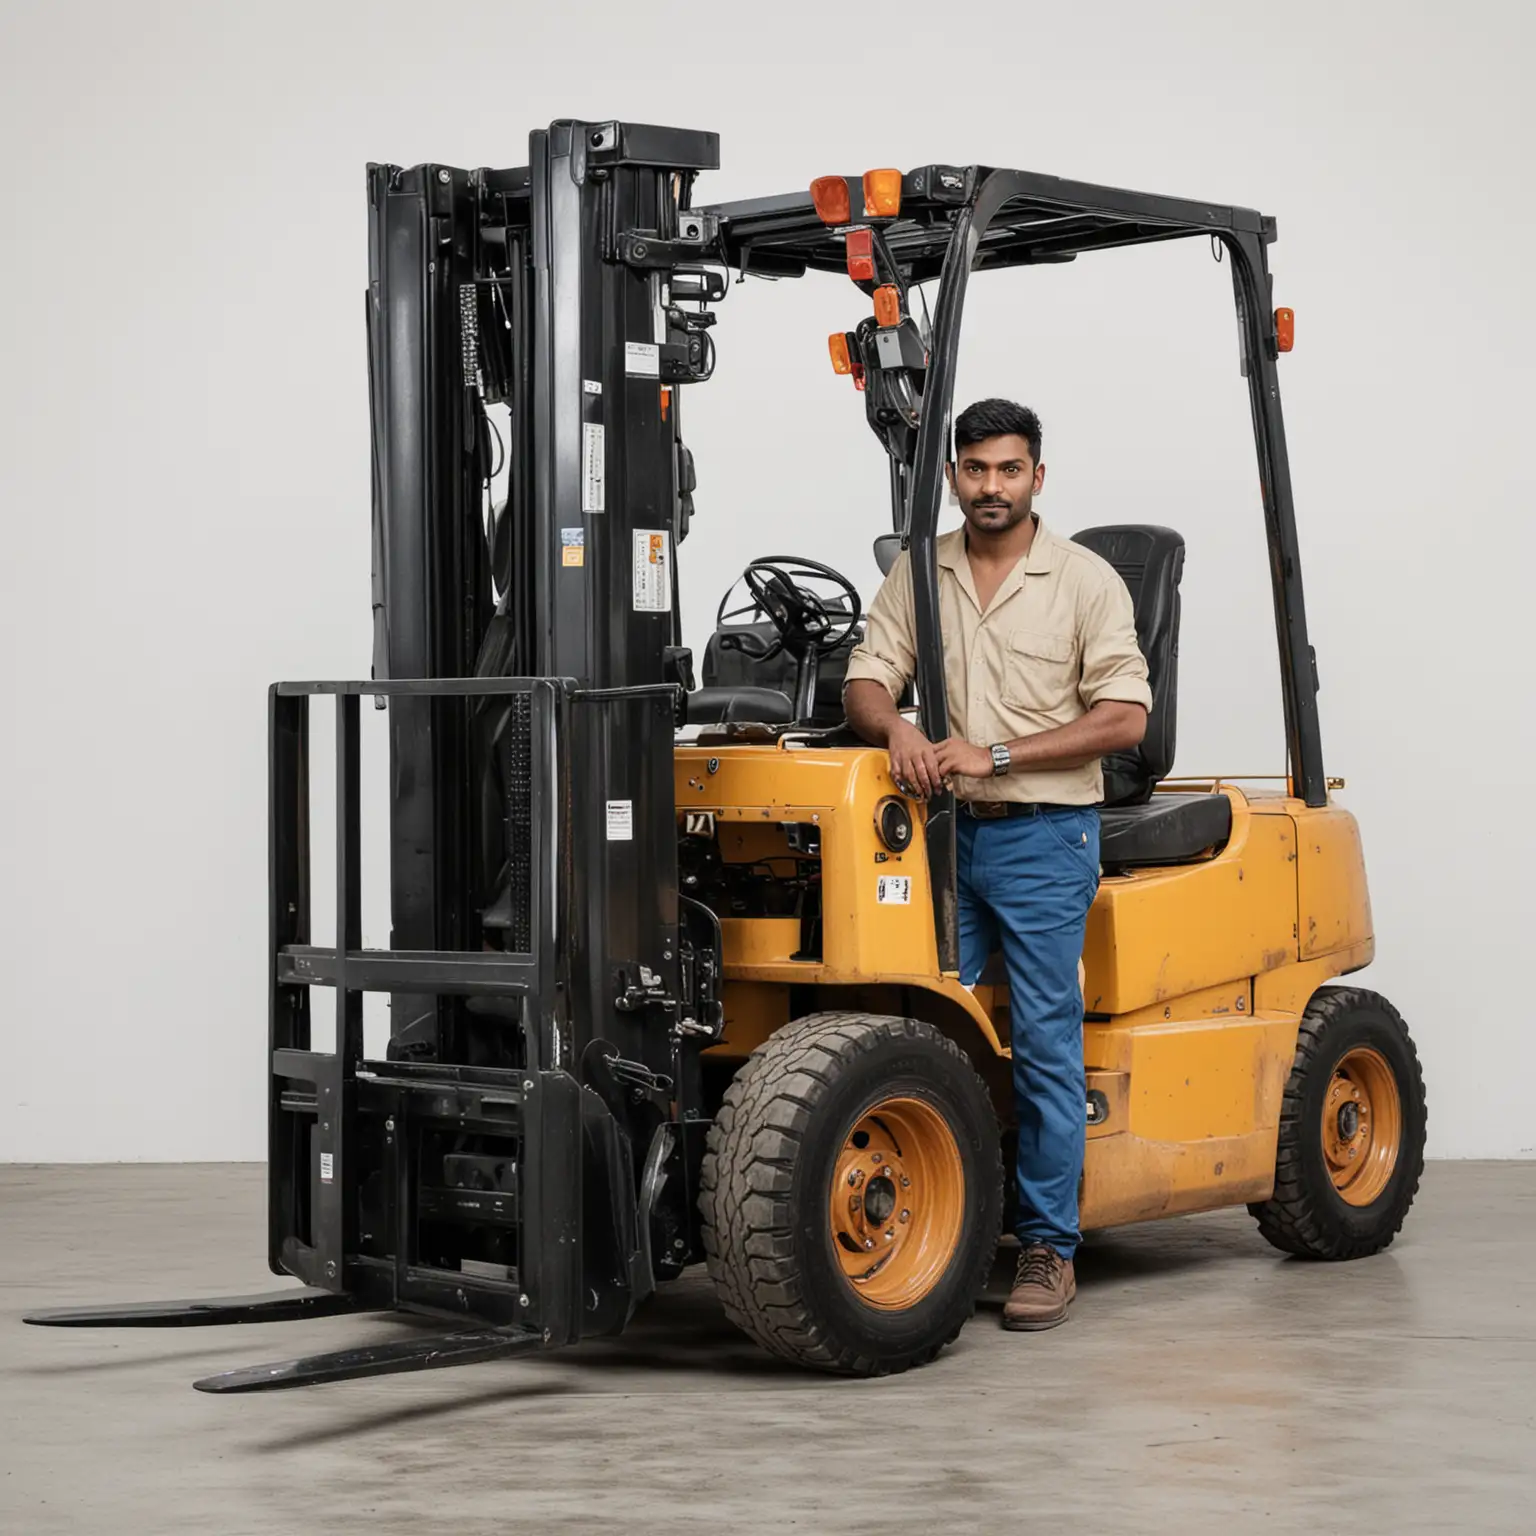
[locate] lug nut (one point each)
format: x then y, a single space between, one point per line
906 1215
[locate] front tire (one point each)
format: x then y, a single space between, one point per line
852 1193
1352 1124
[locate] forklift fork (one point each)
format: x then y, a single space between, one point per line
285 1306
424 1354
419 1354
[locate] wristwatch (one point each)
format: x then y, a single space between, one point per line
1002 760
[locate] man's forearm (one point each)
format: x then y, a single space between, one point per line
1110 726
870 709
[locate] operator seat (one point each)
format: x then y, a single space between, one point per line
1138 827
739 687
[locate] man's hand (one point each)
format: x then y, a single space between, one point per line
964 758
914 760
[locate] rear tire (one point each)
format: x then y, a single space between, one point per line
793 1154
1352 1125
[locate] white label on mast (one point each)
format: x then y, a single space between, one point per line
592 467
642 359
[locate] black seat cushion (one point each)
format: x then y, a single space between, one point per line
1167 829
719 706
1150 561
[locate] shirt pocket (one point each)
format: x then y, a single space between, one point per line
1040 671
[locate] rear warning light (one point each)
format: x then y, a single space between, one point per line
882 194
830 195
1285 329
861 255
887 305
858 375
837 345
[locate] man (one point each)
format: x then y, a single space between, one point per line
1044 678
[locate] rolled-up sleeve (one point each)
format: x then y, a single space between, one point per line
1113 666
888 652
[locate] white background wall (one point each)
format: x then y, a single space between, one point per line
184 441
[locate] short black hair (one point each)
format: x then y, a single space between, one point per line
997 418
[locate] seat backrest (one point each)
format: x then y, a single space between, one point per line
1150 561
735 669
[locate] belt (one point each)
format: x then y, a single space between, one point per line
996 810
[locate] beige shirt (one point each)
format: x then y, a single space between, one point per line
1058 636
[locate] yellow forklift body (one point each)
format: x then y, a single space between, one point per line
1196 974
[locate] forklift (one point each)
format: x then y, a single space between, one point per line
673 970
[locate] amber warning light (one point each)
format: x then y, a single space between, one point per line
1285 329
837 345
861 255
830 196
887 305
882 194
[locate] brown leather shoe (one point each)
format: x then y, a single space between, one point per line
1043 1287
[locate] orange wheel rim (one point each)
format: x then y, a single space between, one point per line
1362 1125
897 1202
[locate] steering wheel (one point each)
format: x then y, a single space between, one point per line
782 589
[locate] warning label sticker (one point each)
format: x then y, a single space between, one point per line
592 386
894 890
573 546
327 1167
653 571
592 467
643 359
621 821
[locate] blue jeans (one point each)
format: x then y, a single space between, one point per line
1025 885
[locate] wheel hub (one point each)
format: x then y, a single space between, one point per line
1362 1125
897 1202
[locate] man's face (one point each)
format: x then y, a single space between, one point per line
996 481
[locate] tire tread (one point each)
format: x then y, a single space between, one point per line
1295 1218
745 1191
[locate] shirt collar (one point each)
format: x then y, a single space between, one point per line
949 552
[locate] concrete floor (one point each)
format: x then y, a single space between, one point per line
1204 1384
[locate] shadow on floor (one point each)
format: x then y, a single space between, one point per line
683 1331
407 1414
1168 1247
